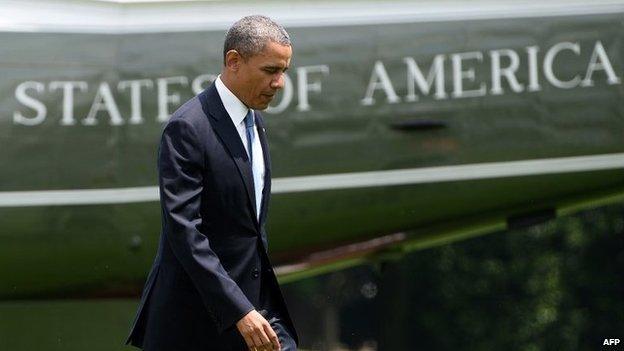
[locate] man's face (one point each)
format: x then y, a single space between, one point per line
260 76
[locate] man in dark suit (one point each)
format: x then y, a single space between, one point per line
211 286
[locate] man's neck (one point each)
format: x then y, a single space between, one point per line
230 84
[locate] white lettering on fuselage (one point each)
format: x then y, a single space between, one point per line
464 71
509 71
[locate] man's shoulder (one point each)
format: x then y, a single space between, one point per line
190 110
192 113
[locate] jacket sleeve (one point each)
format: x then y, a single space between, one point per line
180 166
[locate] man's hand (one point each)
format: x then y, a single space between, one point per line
258 333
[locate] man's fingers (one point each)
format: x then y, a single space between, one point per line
273 337
256 338
257 332
264 335
249 342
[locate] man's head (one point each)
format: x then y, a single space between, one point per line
256 53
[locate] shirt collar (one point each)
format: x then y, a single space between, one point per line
234 107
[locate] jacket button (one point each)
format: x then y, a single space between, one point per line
255 273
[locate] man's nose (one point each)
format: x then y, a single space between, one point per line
278 82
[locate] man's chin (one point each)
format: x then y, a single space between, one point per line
261 106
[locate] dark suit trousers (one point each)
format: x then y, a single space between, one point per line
230 340
271 313
192 333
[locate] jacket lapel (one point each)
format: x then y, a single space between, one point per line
266 192
226 130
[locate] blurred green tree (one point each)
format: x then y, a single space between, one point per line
554 286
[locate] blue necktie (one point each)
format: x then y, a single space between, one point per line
249 125
255 172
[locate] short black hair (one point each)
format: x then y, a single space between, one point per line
249 35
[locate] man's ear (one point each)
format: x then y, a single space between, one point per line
233 60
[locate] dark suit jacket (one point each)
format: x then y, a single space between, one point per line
212 254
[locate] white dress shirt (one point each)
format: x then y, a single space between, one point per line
237 111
